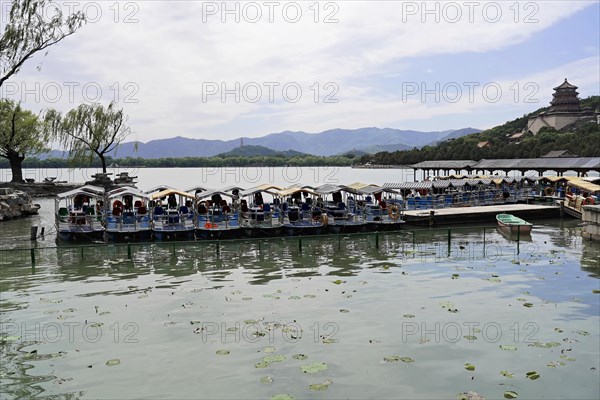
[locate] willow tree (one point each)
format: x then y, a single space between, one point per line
89 131
21 134
31 27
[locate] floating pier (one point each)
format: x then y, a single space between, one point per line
466 215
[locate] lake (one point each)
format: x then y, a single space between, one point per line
401 315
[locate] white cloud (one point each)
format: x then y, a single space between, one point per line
171 53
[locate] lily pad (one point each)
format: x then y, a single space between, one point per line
408 315
583 333
283 396
494 280
532 375
407 359
269 350
469 367
274 358
299 356
470 337
113 362
391 358
314 367
509 394
595 291
294 297
507 374
262 364
7 339
329 340
318 386
528 305
343 310
267 380
558 330
310 296
338 281
455 276
223 352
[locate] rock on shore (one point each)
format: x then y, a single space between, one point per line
15 204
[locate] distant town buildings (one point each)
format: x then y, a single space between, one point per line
564 112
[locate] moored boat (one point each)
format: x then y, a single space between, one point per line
381 213
513 224
216 217
299 214
173 215
78 214
340 206
259 211
127 217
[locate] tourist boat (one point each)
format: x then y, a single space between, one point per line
173 215
216 217
299 214
127 216
260 217
381 213
339 204
513 224
78 214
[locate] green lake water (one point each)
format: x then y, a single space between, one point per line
394 316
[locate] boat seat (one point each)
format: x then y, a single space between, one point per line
116 212
267 207
183 210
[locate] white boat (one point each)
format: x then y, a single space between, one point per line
217 218
513 224
173 216
78 214
127 216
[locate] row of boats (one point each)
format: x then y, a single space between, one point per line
164 213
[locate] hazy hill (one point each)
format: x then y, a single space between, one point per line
330 142
253 151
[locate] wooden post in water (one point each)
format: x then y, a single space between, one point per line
129 251
82 253
32 251
449 240
414 239
300 244
376 240
34 230
484 242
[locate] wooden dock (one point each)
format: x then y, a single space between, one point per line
465 215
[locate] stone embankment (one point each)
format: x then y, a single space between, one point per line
16 204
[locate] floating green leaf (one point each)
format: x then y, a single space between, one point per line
470 337
407 359
269 350
583 333
318 386
300 356
494 280
283 396
262 364
469 367
508 347
294 297
113 362
7 339
343 310
266 379
314 367
509 394
246 298
329 340
528 305
310 296
532 375
455 276
391 358
250 322
507 374
558 330
274 358
338 281
223 352
408 315
595 291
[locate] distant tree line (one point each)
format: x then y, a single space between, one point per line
583 140
190 162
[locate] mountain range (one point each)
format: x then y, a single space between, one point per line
327 143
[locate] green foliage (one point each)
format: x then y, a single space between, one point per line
32 26
21 133
88 131
583 141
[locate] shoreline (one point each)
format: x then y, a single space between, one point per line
41 189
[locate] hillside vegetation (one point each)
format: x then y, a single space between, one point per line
584 141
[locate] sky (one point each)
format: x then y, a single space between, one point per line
222 70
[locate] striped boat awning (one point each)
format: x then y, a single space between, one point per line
409 185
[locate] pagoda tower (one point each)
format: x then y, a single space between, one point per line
564 98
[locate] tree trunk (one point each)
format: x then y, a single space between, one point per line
103 160
16 162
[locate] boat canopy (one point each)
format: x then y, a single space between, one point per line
167 192
327 189
88 190
375 189
271 189
210 193
158 188
125 190
292 190
196 189
583 184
